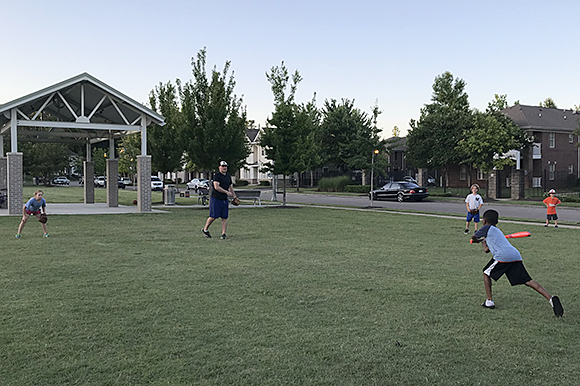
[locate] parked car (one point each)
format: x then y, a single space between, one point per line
400 190
156 183
100 182
121 183
60 180
197 183
410 179
431 181
127 181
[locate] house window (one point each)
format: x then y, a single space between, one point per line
537 151
552 140
481 175
570 169
536 182
551 171
570 138
463 172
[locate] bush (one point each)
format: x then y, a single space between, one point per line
357 188
264 183
334 184
241 183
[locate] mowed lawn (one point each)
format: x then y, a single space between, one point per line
297 296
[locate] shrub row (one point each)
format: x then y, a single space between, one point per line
333 184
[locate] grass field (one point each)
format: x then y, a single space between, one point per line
301 296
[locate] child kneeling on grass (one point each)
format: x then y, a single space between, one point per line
506 259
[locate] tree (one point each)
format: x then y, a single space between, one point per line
129 149
163 142
214 122
349 136
290 140
44 159
396 131
548 103
99 158
433 139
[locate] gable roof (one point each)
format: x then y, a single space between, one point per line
538 118
252 134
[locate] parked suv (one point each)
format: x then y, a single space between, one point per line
61 181
100 182
156 183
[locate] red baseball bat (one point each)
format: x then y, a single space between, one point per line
512 235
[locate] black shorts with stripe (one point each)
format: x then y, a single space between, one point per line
515 271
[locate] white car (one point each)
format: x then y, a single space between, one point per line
127 181
61 181
100 182
156 183
197 183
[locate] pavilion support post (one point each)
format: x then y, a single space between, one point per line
89 184
144 183
15 182
112 182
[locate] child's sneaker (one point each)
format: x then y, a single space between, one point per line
46 235
466 231
223 236
206 233
18 236
557 305
488 304
555 226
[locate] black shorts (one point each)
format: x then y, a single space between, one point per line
515 271
552 217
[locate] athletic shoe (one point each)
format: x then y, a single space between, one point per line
488 304
466 231
545 226
557 305
555 226
223 236
46 235
206 233
18 236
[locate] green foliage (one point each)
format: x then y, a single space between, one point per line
241 183
357 188
163 142
44 159
99 158
214 122
548 103
333 184
433 139
129 149
265 183
349 136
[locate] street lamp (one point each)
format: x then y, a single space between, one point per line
376 151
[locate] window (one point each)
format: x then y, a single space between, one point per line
570 138
463 172
481 175
536 182
537 151
552 140
570 169
551 171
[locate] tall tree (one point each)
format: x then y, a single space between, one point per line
163 142
129 149
349 136
548 103
214 126
433 139
45 159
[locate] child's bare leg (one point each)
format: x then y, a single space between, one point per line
22 223
467 225
487 283
535 285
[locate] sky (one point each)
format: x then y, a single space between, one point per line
385 52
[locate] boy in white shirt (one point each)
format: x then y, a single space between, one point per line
473 202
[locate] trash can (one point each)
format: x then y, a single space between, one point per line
169 194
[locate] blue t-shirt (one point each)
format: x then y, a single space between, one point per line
499 246
34 206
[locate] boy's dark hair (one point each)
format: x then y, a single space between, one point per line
491 216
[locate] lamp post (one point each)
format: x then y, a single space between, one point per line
376 151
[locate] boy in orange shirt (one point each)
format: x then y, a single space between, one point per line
551 201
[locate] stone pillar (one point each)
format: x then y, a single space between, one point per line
112 183
517 184
144 183
15 182
89 185
492 184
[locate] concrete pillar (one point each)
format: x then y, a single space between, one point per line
144 183
112 183
517 184
15 182
89 186
422 177
492 184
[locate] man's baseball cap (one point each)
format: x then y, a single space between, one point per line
551 191
223 163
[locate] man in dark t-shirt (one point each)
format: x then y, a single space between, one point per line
218 202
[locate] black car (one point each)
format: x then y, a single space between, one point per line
400 190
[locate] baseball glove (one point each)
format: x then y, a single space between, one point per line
474 211
43 218
236 201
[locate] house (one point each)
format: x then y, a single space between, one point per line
255 160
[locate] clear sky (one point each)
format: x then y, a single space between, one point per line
385 51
